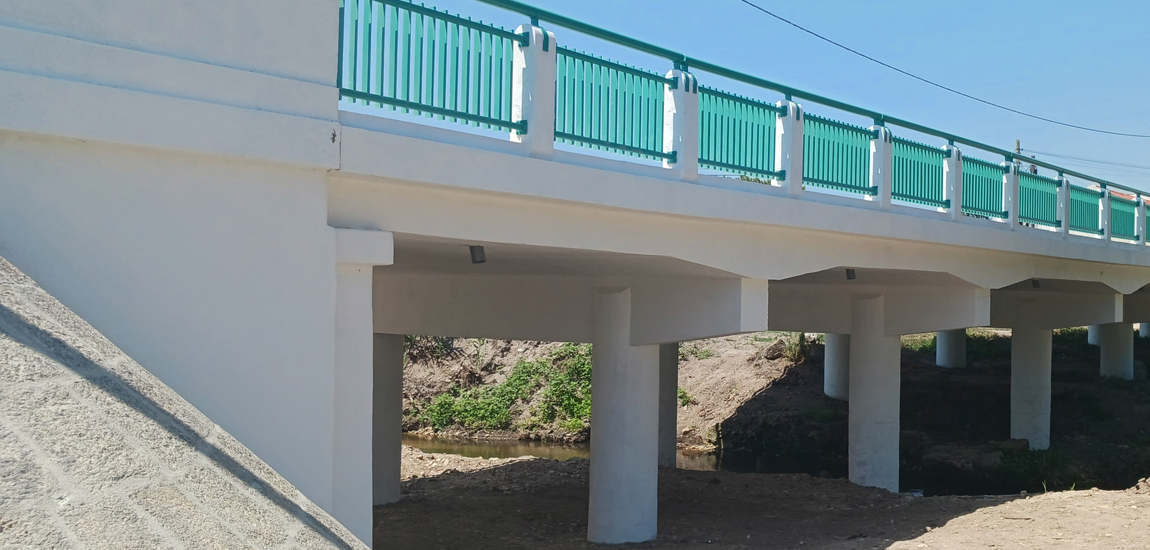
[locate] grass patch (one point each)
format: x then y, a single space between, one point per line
423 348
563 377
797 350
924 343
685 398
696 351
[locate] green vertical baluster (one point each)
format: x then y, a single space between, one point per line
441 87
497 75
453 69
416 59
429 69
393 52
362 38
485 90
405 59
577 105
375 57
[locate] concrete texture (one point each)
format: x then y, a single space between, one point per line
95 452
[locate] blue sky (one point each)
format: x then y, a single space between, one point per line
1084 63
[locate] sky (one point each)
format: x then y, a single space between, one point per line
1085 63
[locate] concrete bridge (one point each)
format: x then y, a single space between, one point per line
257 199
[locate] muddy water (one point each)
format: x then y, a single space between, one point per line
507 449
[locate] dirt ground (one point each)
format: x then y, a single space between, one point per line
454 502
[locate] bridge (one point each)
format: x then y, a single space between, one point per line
256 200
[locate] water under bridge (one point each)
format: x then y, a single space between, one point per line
257 199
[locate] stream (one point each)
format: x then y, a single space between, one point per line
686 460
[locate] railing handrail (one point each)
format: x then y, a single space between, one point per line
683 61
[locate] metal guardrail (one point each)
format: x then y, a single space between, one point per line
836 155
684 61
610 106
917 173
737 134
405 56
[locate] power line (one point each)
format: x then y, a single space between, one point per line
1083 159
935 84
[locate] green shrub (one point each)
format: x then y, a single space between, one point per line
685 398
696 351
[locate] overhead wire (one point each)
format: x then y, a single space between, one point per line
936 84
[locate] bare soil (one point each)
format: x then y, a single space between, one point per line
454 502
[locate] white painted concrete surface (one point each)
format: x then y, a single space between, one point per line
668 403
875 383
387 417
1116 341
1030 386
352 401
950 348
836 365
623 504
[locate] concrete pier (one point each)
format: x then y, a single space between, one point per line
668 403
874 397
836 365
1117 357
623 503
1030 386
950 348
1092 334
386 418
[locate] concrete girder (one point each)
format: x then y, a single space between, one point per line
556 308
1053 303
913 301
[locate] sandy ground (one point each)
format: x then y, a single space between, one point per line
457 502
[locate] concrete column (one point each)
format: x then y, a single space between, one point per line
1092 334
533 91
681 125
351 445
1030 386
881 165
386 418
789 147
1010 193
952 181
1144 330
1117 343
668 403
874 397
950 348
623 504
836 365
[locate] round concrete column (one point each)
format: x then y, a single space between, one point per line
668 403
1144 330
874 397
1092 334
386 417
836 365
1117 343
1030 386
950 348
623 503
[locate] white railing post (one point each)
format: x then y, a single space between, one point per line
1064 205
881 165
681 125
1104 212
1140 219
533 91
789 147
1010 200
952 181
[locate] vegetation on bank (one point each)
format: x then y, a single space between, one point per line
551 391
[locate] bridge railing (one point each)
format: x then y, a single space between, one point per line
407 58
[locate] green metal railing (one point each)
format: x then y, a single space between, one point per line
1038 200
917 173
682 60
609 106
982 188
737 134
836 155
1085 210
399 55
1123 218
